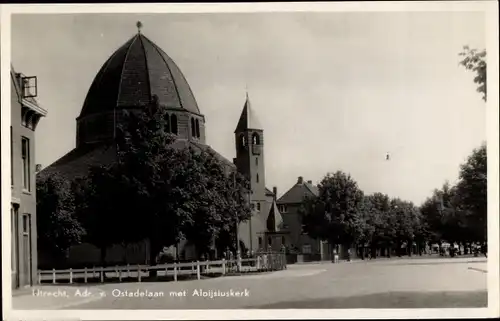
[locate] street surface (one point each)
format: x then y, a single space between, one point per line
394 283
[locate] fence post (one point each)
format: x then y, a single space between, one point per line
139 273
192 267
70 276
198 269
207 267
166 271
119 270
175 271
39 277
102 274
128 270
53 276
223 266
85 274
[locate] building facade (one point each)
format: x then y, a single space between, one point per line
289 205
25 115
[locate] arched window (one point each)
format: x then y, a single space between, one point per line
193 128
198 128
243 140
167 123
255 139
173 124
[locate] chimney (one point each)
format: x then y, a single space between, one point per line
38 168
275 192
310 182
300 180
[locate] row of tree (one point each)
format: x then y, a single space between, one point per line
152 191
343 215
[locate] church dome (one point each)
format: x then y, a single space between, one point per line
135 73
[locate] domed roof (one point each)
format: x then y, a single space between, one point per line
136 72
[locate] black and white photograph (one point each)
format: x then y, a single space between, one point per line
250 160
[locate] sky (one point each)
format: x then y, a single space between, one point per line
333 90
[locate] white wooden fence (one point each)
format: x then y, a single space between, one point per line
261 263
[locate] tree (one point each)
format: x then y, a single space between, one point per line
57 226
159 190
406 218
472 193
380 231
219 200
335 214
475 61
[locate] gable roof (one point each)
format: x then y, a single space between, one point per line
297 193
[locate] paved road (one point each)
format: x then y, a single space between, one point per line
402 283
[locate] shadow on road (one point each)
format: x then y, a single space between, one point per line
391 300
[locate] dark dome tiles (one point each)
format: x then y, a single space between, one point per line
134 85
161 81
133 74
186 96
103 92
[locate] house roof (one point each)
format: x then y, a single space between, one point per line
133 75
78 161
297 193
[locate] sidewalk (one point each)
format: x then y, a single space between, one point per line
401 258
51 297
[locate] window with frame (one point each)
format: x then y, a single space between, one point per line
25 154
258 206
257 178
282 208
173 124
193 128
197 123
26 223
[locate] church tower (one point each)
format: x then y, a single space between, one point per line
249 161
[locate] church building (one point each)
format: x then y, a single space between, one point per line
134 75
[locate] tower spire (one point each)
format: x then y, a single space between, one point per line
139 26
